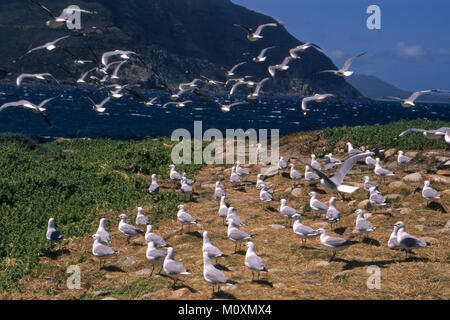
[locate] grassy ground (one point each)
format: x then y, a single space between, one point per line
80 181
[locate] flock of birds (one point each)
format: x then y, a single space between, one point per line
398 240
105 73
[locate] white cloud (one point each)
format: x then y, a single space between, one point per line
444 52
412 51
336 54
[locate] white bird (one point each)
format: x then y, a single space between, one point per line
282 164
141 219
407 241
155 256
154 187
318 98
409 102
174 175
102 233
431 134
101 251
53 234
188 181
237 85
185 218
362 225
253 261
402 159
283 66
151 102
371 162
333 214
176 96
254 36
236 235
301 48
333 243
127 229
180 104
124 55
294 174
213 275
186 189
190 85
428 192
99 106
173 268
255 94
82 79
219 192
231 215
230 72
375 197
223 209
333 159
40 76
240 171
286 211
64 16
150 236
30 106
344 72
314 163
212 251
265 195
381 172
303 231
351 150
260 182
234 178
261 56
310 175
223 107
115 76
369 184
316 204
392 242
49 45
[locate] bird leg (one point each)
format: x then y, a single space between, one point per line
334 254
153 268
159 272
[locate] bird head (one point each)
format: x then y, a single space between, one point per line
123 216
399 224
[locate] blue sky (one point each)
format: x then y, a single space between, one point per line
411 51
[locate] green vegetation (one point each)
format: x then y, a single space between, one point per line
385 135
73 181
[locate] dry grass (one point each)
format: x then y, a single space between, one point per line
293 271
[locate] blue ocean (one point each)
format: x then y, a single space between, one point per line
72 115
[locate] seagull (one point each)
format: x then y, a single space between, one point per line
77 59
351 150
329 164
49 45
40 76
63 18
185 218
176 96
407 241
379 171
254 36
282 164
429 193
265 195
213 275
234 178
375 197
174 175
230 73
333 243
102 234
181 104
124 55
392 242
344 72
333 215
409 102
402 159
261 56
154 187
286 211
206 80
240 171
231 215
188 181
155 257
151 102
83 76
369 184
114 76
283 66
260 182
362 225
141 219
371 162
31 106
303 231
236 235
98 107
255 94
189 85
223 107
302 48
253 261
310 175
127 229
431 134
238 84
223 209
150 236
53 234
294 174
186 189
333 159
173 268
335 183
314 163
316 204
318 98
212 251
100 250
218 192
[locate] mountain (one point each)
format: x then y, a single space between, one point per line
172 36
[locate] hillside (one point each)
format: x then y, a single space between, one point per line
173 36
93 179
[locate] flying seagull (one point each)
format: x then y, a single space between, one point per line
431 134
49 45
230 72
253 36
40 76
409 102
28 105
223 107
180 104
318 98
99 106
255 94
302 48
344 72
283 66
261 56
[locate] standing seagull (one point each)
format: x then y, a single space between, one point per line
310 175
254 36
407 241
318 98
265 195
154 187
286 211
402 159
314 163
212 251
253 261
333 215
31 106
141 219
333 243
282 164
103 235
294 174
236 235
316 204
53 234
240 171
174 175
127 229
303 231
381 172
352 151
231 215
150 236
234 178
369 184
100 250
186 189
185 218
260 182
362 225
219 192
392 242
344 72
154 256
429 193
375 197
223 209
173 268
212 274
